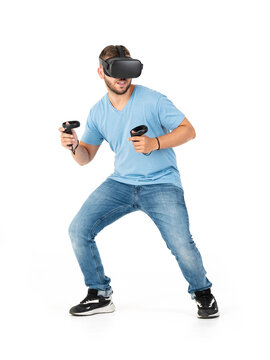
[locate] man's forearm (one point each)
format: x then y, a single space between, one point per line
81 155
176 137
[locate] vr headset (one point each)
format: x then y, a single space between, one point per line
121 66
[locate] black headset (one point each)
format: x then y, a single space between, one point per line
121 66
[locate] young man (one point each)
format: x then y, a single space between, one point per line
145 178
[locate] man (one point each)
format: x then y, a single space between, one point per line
145 178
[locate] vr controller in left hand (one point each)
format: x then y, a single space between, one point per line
139 131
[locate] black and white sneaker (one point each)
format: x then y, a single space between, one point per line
93 304
207 305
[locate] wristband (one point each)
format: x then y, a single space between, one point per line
158 143
73 150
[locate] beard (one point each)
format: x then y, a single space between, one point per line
113 88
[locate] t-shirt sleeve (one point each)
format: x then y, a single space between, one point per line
170 117
91 133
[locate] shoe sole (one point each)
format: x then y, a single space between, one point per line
209 316
102 310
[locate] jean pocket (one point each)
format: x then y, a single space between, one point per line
173 186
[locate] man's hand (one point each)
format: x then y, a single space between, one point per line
143 143
67 139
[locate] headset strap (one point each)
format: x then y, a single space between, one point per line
120 50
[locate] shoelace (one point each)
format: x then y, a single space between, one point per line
88 298
205 299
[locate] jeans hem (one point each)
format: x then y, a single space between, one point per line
105 293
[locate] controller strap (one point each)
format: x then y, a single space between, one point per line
73 150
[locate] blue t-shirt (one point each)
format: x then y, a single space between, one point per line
145 107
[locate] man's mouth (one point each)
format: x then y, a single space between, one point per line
121 83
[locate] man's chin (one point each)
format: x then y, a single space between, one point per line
117 89
121 92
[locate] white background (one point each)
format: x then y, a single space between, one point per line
211 58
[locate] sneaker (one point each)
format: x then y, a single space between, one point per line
207 305
93 304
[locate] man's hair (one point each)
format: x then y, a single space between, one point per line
111 51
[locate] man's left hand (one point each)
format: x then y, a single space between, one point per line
143 143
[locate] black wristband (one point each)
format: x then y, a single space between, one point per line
158 143
73 150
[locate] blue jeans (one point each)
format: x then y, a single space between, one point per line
164 203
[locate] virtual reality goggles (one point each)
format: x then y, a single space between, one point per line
121 66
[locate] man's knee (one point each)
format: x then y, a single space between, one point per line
72 229
83 229
79 231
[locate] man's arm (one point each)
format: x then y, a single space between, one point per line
178 136
85 153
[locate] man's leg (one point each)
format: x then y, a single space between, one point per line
165 205
109 202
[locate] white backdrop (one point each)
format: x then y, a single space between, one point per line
211 58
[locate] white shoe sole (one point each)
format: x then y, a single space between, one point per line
102 310
209 316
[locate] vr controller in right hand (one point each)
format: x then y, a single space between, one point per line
68 134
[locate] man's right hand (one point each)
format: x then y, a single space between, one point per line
67 139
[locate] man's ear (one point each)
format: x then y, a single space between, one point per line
100 72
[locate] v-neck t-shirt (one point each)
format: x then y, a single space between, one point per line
144 107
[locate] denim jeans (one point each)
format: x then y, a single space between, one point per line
164 203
